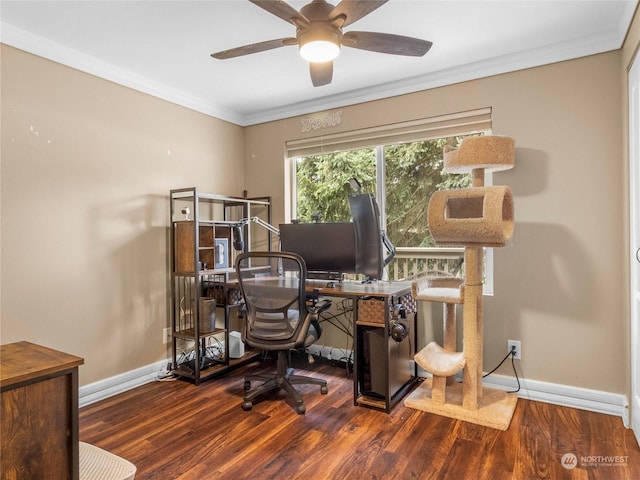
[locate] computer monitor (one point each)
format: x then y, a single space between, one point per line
369 246
331 249
328 249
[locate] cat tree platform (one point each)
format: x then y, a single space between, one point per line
495 407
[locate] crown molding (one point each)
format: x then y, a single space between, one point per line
45 48
472 71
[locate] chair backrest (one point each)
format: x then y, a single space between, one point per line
273 287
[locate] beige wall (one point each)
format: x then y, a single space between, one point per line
559 284
87 166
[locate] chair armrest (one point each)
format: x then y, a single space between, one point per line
315 306
319 306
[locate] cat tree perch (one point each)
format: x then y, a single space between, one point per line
475 217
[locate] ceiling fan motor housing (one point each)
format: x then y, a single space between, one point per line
317 10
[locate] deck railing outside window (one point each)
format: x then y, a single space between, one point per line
410 262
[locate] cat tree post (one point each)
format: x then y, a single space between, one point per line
449 334
472 328
472 316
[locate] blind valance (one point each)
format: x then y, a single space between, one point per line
410 131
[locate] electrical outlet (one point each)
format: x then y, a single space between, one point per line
166 335
514 345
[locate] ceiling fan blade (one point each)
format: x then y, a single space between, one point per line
281 9
254 48
386 43
321 73
354 10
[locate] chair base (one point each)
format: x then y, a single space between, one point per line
282 379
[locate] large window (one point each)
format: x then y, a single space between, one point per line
402 174
411 173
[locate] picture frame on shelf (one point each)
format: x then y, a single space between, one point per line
221 253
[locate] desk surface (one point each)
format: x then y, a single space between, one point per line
359 289
340 289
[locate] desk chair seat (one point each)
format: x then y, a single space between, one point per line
278 318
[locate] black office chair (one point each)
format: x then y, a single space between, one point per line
278 317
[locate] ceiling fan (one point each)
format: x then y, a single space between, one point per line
319 34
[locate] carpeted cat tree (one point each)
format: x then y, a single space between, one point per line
475 217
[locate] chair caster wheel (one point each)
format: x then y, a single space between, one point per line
324 390
247 385
301 409
247 405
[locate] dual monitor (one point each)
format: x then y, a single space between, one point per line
333 249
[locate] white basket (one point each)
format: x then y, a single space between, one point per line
98 464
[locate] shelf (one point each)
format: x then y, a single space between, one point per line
218 223
372 402
249 354
185 371
217 271
190 333
370 324
206 271
216 368
188 194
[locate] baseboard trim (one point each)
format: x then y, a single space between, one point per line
557 394
565 395
108 387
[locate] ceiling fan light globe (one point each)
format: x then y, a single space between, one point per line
320 42
319 51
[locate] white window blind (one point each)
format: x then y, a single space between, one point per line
410 131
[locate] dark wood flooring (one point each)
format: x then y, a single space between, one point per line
176 430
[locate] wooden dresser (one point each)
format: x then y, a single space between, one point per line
38 413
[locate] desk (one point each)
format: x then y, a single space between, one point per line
39 412
383 367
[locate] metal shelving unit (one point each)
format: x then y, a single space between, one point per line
203 287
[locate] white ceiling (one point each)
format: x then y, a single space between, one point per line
163 47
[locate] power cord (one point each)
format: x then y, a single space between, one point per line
344 310
511 354
166 375
335 320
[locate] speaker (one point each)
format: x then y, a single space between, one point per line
236 346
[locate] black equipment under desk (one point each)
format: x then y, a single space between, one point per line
384 342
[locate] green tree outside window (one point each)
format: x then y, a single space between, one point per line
413 174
